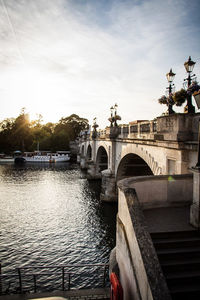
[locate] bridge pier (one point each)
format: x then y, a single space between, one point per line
92 172
83 162
195 207
78 158
108 186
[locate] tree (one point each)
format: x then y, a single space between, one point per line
21 134
73 124
6 127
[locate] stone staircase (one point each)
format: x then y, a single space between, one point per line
179 256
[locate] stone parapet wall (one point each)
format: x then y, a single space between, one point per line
178 127
162 190
140 273
174 127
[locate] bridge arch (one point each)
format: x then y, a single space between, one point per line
89 152
102 159
132 165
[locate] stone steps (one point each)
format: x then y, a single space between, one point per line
179 256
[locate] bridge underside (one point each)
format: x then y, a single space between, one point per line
102 159
89 152
132 165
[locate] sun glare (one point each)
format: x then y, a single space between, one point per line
33 90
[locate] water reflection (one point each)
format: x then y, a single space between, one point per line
51 215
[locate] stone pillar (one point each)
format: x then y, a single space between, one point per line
92 172
108 186
113 156
78 158
83 162
195 207
94 150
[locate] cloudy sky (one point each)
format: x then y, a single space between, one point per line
59 57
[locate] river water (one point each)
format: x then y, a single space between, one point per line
50 215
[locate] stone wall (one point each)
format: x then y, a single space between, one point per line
163 190
140 273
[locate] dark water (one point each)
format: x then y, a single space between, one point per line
51 216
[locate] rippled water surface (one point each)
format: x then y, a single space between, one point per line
51 215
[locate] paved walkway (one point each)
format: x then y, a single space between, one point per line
168 219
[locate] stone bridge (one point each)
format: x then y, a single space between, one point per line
166 145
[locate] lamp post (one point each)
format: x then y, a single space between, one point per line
189 66
115 117
111 119
94 133
170 77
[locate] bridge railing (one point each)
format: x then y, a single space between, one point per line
174 127
139 130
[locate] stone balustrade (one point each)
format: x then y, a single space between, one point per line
138 130
175 127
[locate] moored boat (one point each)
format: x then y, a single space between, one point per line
42 157
18 158
6 159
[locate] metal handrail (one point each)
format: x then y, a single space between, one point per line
64 272
63 266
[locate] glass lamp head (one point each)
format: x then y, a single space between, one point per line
170 76
189 65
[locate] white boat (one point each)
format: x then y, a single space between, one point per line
6 160
43 157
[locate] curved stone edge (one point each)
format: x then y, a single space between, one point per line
113 265
156 279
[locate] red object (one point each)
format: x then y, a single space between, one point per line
116 288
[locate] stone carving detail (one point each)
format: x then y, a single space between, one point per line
169 123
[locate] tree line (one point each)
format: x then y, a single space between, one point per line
22 134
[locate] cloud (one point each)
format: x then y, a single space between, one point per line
87 55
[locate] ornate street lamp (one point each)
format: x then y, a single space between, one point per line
189 66
115 117
94 133
112 110
111 119
170 77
